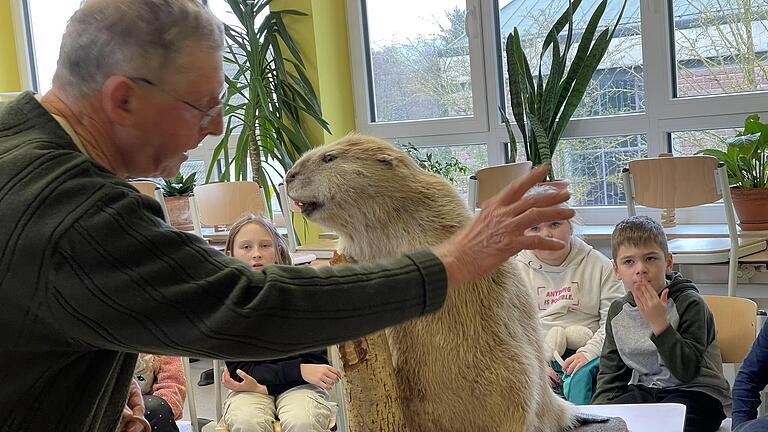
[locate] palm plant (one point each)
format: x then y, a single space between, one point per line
543 105
265 97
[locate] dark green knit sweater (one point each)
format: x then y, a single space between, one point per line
90 275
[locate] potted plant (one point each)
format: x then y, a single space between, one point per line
542 104
176 192
266 98
745 161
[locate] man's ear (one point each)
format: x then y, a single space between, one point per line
615 269
118 98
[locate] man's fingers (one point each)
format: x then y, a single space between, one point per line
519 187
535 216
540 200
536 243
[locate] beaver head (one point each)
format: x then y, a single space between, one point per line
363 186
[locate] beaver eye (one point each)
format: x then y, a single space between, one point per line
329 157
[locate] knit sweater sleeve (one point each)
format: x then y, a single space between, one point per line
170 383
121 279
683 348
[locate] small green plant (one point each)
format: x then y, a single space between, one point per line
448 169
744 156
179 185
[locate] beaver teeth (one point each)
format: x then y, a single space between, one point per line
296 206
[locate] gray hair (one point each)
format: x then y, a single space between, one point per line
133 38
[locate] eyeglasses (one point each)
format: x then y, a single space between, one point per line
208 114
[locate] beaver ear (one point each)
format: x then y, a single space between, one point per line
387 159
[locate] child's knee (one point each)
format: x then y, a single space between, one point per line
315 421
249 422
312 414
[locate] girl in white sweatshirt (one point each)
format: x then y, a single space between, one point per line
572 286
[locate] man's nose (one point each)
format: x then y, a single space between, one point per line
215 125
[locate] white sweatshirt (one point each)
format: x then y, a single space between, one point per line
578 292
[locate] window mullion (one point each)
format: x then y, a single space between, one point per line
657 72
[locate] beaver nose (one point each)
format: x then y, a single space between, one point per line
290 176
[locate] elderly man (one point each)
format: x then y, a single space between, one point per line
90 274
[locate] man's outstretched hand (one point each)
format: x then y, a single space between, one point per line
497 232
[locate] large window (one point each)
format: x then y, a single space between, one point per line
45 27
720 46
594 166
617 86
419 61
473 156
640 102
687 143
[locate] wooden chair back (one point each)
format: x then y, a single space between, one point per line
735 321
225 202
675 182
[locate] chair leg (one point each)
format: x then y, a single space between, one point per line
217 387
733 271
190 396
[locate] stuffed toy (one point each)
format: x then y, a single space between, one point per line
559 338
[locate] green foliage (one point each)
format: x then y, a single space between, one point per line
449 169
745 157
266 97
543 105
179 185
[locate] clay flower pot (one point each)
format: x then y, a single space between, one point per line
179 213
751 207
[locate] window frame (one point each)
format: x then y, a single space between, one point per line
664 113
363 86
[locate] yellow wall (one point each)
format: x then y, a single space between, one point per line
9 70
322 40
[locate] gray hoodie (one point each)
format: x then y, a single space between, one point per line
684 356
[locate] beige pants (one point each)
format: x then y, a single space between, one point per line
306 408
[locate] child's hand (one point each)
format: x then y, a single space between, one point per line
652 308
248 384
133 407
574 363
321 375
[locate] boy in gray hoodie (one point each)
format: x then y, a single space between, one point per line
660 337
